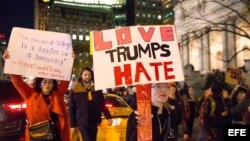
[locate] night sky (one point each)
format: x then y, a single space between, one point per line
16 13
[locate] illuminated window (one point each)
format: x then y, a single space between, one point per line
87 38
159 17
74 36
81 37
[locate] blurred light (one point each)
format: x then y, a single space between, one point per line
108 105
17 107
46 0
159 17
87 38
81 37
2 36
74 36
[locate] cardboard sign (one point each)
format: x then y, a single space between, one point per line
135 55
40 54
235 76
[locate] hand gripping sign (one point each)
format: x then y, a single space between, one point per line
133 56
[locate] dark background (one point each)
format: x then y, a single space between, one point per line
16 13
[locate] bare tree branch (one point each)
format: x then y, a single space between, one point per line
233 10
222 26
232 57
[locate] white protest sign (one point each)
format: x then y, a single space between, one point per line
135 55
40 54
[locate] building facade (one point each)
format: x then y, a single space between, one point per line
78 19
213 33
144 12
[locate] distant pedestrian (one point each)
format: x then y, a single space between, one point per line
131 97
176 106
189 112
210 113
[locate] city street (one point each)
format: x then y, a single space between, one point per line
132 48
196 129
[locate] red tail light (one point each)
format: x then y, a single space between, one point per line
16 107
108 105
21 139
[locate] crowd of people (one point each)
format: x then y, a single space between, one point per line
173 106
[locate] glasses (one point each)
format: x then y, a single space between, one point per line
161 86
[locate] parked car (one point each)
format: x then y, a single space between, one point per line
119 111
12 113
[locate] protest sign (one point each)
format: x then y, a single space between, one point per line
40 54
235 76
135 55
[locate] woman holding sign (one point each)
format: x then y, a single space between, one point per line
163 122
45 102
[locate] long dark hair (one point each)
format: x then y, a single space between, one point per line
38 81
85 69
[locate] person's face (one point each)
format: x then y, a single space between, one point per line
241 96
172 91
208 92
225 94
160 92
46 86
86 76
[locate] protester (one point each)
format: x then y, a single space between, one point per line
45 101
189 112
163 122
242 108
175 104
86 106
210 113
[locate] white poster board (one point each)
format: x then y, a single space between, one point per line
135 55
40 54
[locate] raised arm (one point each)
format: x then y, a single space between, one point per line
24 89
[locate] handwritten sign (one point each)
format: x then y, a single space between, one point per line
135 55
39 54
235 76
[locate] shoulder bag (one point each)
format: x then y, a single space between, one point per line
42 131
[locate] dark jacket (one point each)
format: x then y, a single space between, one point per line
131 100
243 109
131 133
78 106
212 120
